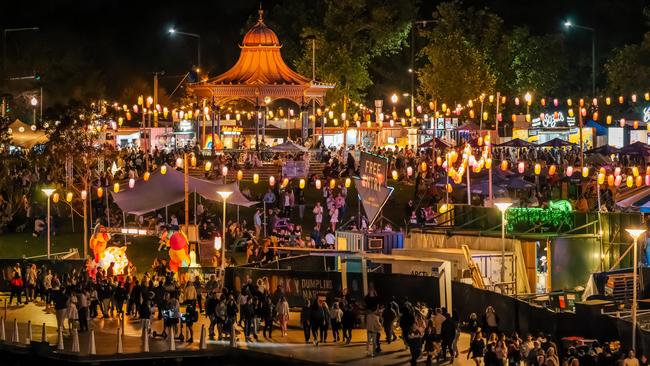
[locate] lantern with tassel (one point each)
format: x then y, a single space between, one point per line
301 183
639 181
551 170
618 180
348 182
629 181
68 197
116 187
617 171
208 166
538 169
332 183
163 169
610 180
146 176
285 182
100 192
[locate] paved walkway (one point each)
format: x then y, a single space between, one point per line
292 345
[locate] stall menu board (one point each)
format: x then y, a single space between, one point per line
371 184
295 169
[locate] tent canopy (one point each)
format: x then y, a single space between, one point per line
557 142
288 146
605 150
637 148
517 143
429 143
23 136
164 190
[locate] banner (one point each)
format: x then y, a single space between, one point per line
295 169
371 185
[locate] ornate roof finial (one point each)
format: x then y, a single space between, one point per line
261 14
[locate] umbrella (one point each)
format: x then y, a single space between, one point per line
637 148
483 187
288 146
519 183
598 159
604 150
443 182
429 143
517 143
557 142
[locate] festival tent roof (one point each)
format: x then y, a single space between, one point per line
557 142
605 150
517 143
469 126
637 148
288 146
598 159
429 143
167 189
482 187
23 136
638 199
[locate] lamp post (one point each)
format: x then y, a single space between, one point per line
48 192
568 24
503 207
224 196
173 31
635 234
34 103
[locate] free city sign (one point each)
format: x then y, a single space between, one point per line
371 184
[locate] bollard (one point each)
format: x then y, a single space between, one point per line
145 339
122 322
59 343
91 343
143 326
15 338
233 339
75 341
119 341
43 335
172 341
28 340
202 343
3 336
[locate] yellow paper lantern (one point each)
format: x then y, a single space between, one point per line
100 192
439 161
146 175
601 178
423 166
240 175
116 187
348 182
488 163
395 175
609 119
646 96
55 198
193 161
68 197
585 172
636 124
504 165
163 169
256 178
485 116
602 171
285 182
635 171
629 181
332 183
538 169
449 188
608 100
301 183
621 99
318 184
208 166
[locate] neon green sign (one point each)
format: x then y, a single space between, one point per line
557 214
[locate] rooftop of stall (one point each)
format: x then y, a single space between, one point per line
373 242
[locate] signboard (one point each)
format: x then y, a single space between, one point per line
371 184
446 123
554 119
231 130
295 169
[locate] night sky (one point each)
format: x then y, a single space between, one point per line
128 39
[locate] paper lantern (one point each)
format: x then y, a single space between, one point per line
256 178
647 170
617 171
332 183
635 171
450 188
608 119
610 180
621 100
521 167
84 195
602 171
514 117
636 124
569 171
193 161
423 166
224 171
55 198
471 114
208 166
629 181
516 100
163 169
131 183
409 171
485 116
179 162
301 183
543 102
100 192
571 114
528 117
551 170
271 181
146 176
395 175
639 181
538 169
569 102
608 100
646 96
348 182
116 187
439 161
68 197
622 122
488 163
240 175
601 178
318 184
504 165
453 156
585 172
595 116
285 182
618 180
556 102
647 179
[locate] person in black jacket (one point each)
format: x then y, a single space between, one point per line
248 315
347 323
121 296
448 333
210 305
305 315
389 317
316 320
267 314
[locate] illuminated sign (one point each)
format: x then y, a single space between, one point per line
185 125
554 119
558 214
371 186
231 130
646 114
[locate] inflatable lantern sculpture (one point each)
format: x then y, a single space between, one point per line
117 256
177 243
105 256
98 242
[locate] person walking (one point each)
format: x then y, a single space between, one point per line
283 314
60 300
268 310
318 215
326 322
389 317
336 315
477 348
72 313
316 320
84 304
373 328
305 315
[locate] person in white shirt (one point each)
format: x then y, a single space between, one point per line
318 215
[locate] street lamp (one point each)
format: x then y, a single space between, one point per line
224 196
568 25
48 192
34 103
635 234
503 207
172 31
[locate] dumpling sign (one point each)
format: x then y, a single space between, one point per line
371 184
